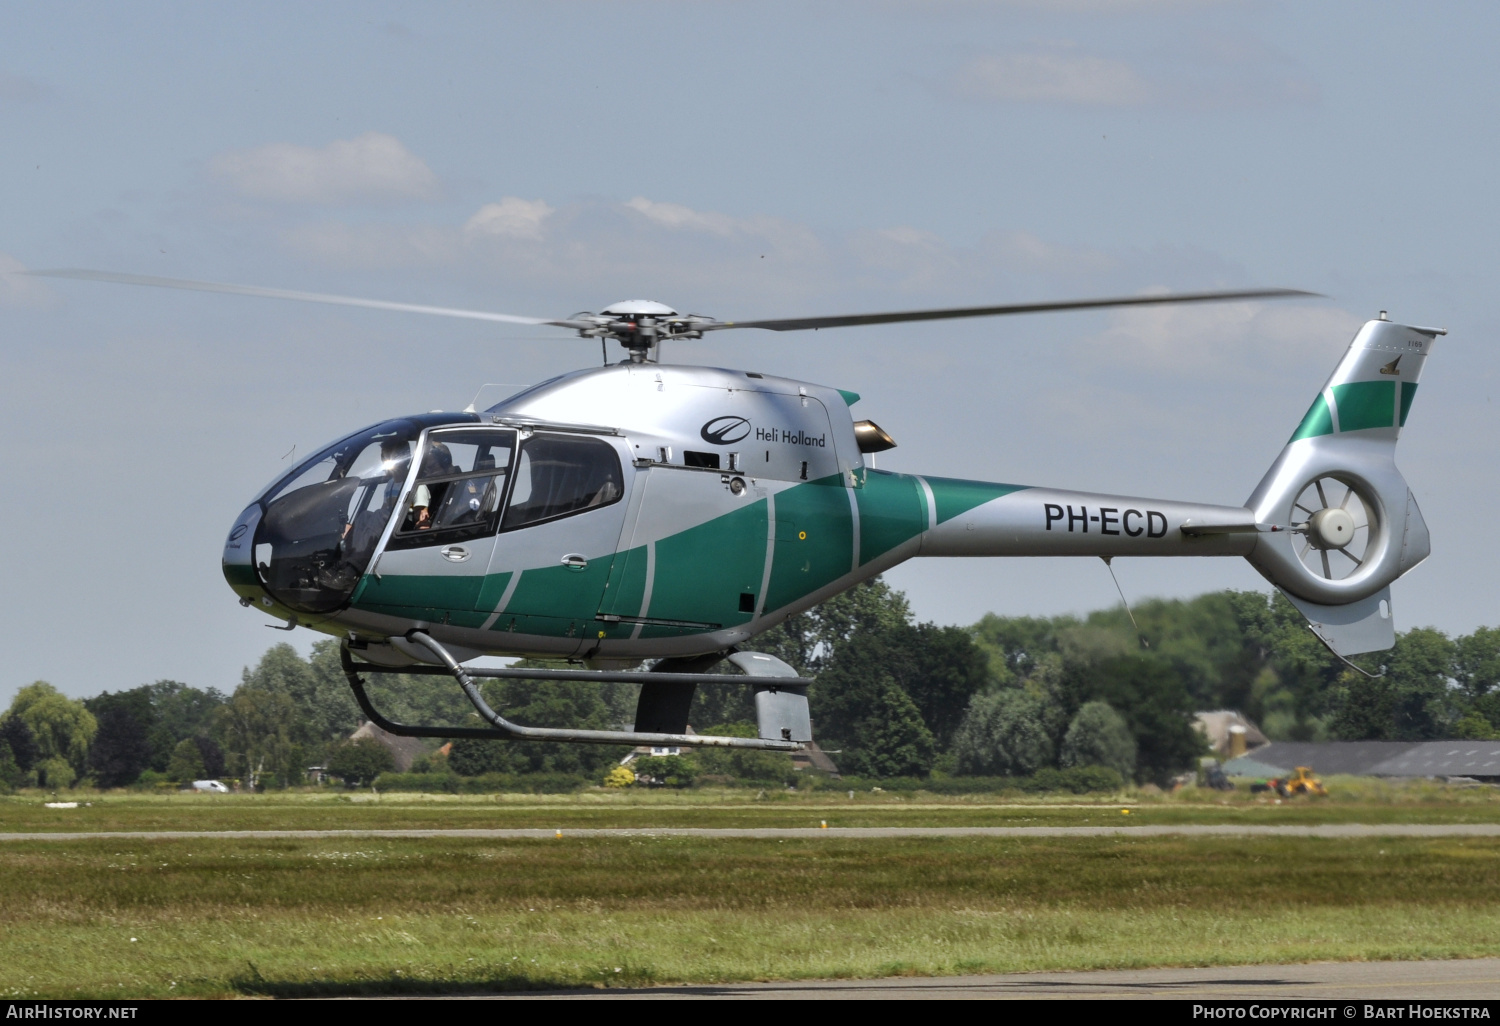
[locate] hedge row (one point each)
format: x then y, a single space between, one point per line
1075 779
485 783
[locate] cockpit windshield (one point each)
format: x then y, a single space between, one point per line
323 521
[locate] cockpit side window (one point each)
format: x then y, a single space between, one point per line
558 475
459 485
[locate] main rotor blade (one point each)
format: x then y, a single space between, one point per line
851 320
306 297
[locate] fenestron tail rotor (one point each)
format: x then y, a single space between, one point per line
1334 522
641 325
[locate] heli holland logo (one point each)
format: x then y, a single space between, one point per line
1391 367
238 532
725 430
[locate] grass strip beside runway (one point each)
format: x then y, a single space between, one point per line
1352 801
207 916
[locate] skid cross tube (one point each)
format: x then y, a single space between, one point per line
504 729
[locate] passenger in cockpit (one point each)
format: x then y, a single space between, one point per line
473 498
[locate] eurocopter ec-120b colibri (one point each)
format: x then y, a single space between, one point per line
643 511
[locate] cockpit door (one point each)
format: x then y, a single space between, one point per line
438 550
558 534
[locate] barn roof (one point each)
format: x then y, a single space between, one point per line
1374 758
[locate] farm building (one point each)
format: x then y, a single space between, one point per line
404 750
1479 760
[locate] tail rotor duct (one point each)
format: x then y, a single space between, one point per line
1336 527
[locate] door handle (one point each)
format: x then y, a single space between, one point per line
573 561
454 553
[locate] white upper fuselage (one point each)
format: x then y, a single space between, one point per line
696 409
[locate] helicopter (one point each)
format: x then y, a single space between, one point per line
643 511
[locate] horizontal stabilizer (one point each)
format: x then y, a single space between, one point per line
1196 528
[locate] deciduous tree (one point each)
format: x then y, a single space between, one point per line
121 748
1149 695
186 764
62 727
889 739
1004 733
1099 736
260 734
359 761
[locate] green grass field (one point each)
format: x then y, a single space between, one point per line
1352 801
213 916
221 917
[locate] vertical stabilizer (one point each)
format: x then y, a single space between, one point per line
1345 523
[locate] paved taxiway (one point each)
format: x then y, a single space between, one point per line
1450 982
1333 830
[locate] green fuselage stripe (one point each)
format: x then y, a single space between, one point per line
892 509
814 540
954 497
711 573
701 573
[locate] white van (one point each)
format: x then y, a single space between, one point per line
211 786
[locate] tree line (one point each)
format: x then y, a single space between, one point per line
1016 695
894 698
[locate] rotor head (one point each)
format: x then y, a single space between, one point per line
640 324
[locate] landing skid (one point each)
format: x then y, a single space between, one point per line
504 730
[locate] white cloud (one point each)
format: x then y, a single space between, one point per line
1268 338
914 259
512 217
1025 253
760 233
18 289
676 216
1198 72
370 167
1055 78
375 245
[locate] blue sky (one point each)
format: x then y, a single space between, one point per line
738 160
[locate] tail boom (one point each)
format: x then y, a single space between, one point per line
1053 522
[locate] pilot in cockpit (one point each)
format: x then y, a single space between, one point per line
437 462
368 513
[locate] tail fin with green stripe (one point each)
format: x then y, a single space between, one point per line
1374 385
1346 525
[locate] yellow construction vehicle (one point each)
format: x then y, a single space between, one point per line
1300 782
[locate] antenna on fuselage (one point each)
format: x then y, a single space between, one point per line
1108 565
